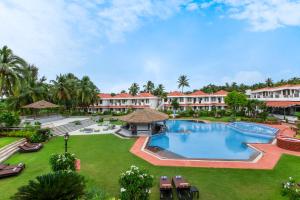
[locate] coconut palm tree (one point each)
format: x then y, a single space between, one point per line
60 89
134 89
149 87
269 82
9 76
183 81
86 92
160 91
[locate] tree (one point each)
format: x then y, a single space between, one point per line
236 100
149 87
269 82
87 92
160 91
10 65
134 89
183 81
123 91
60 90
175 104
61 185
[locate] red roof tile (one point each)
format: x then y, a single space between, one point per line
145 94
221 92
175 93
282 104
104 96
123 95
198 93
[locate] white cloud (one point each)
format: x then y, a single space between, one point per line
246 77
263 15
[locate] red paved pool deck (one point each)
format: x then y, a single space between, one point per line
270 155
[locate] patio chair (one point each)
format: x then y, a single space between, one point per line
182 188
11 170
165 188
30 147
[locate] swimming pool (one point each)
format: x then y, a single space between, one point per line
193 140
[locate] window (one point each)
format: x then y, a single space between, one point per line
181 99
147 100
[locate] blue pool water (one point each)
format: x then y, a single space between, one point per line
212 140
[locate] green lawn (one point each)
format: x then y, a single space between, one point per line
7 140
104 157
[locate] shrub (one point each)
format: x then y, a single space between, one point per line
297 114
41 135
135 184
9 119
60 162
290 189
77 122
19 133
60 185
96 194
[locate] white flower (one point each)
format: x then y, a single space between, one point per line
291 178
149 191
123 189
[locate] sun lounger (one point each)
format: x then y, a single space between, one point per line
30 147
165 187
11 170
182 188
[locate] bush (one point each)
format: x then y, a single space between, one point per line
135 184
96 194
9 119
60 185
77 123
297 114
19 133
60 162
290 189
40 135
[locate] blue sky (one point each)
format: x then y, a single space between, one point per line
118 42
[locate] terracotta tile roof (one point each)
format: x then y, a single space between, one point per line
198 93
145 94
278 87
123 95
175 93
104 96
221 92
282 104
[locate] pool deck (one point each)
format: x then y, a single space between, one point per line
269 158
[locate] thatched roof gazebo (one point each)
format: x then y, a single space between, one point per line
144 120
41 105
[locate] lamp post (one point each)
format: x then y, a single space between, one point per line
66 137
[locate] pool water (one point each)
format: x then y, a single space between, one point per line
211 140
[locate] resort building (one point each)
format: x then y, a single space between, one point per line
124 101
198 100
282 100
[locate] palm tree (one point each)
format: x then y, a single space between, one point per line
269 82
134 89
160 91
9 76
60 90
86 92
149 87
183 81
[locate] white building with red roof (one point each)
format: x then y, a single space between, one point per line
197 100
284 99
124 101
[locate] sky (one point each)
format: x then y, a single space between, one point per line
118 42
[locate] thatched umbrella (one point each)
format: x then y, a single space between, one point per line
144 116
41 105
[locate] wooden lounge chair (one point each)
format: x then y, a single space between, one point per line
30 147
182 188
165 187
10 170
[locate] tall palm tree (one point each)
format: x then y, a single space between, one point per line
9 76
160 91
149 87
269 82
60 90
134 89
87 92
183 81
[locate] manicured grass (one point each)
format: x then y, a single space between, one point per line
104 157
7 140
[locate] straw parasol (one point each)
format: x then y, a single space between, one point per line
144 116
41 105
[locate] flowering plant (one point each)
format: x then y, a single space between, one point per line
64 161
291 189
135 184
